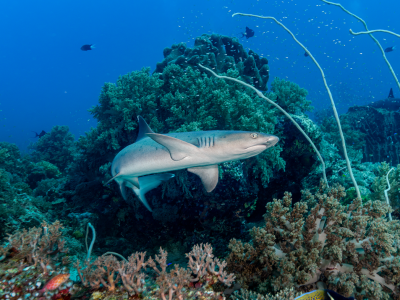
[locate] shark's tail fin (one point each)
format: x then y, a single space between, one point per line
148 183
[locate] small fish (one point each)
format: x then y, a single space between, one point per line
87 47
322 295
40 134
306 54
248 34
390 49
391 95
55 282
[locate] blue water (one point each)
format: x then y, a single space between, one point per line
46 80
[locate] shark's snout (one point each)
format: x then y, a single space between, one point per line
272 141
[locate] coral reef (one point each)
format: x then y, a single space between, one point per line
34 264
220 53
286 294
55 147
350 249
290 96
129 276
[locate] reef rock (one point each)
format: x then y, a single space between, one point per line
381 129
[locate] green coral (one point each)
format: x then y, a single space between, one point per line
42 170
290 96
56 147
12 161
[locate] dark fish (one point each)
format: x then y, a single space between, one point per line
322 295
390 49
87 47
306 54
248 34
40 134
391 95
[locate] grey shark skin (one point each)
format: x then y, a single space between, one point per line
199 152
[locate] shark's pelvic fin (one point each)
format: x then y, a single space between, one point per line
143 129
148 183
208 176
178 149
122 188
133 181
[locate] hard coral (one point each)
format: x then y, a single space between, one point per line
318 240
176 284
33 264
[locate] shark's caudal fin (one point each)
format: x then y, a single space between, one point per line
148 183
208 176
178 149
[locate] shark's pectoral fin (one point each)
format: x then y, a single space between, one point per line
148 183
178 149
208 176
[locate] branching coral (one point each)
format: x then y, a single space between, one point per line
30 258
176 284
319 240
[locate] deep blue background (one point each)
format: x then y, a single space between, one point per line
46 80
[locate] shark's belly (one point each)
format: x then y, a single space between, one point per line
141 160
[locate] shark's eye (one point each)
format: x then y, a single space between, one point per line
254 135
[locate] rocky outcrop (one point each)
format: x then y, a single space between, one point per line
381 128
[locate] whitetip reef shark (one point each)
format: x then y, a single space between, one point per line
199 152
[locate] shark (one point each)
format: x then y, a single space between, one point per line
144 165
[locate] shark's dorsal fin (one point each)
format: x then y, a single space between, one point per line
143 129
208 176
391 95
178 149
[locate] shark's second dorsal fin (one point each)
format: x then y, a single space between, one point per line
178 149
208 176
143 129
391 95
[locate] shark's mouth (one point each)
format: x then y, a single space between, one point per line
256 148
